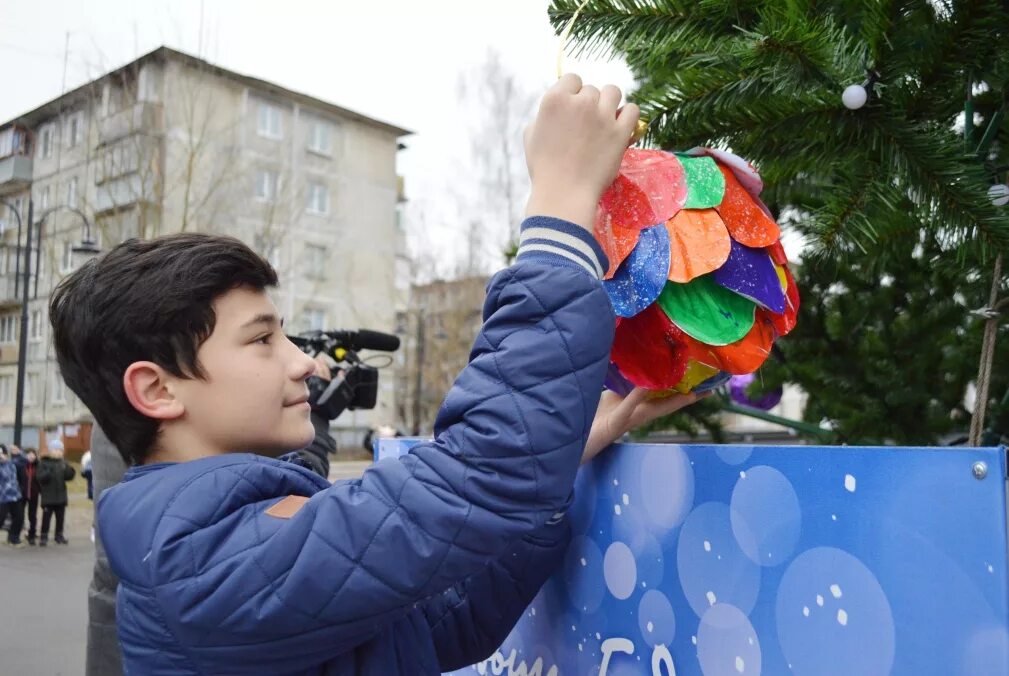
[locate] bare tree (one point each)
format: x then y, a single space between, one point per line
498 107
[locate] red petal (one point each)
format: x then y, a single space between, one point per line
650 188
777 253
617 242
784 323
646 351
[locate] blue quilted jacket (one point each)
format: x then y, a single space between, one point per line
422 565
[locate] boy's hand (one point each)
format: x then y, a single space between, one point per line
574 148
618 415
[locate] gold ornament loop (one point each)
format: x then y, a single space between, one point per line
641 128
565 34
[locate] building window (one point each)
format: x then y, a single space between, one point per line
59 389
319 138
72 192
266 185
35 324
75 129
269 121
314 319
46 141
315 261
318 198
8 329
6 389
44 199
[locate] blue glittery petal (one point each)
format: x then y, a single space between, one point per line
640 278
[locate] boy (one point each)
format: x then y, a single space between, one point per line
231 562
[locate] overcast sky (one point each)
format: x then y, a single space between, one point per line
397 60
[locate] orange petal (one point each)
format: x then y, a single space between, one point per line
698 243
743 356
785 322
746 221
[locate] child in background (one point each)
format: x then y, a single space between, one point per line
10 497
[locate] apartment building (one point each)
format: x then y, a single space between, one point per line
172 143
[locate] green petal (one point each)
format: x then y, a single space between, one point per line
705 183
706 311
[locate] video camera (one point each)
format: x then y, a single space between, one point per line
355 383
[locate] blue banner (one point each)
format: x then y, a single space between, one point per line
729 560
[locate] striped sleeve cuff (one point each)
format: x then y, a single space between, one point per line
559 242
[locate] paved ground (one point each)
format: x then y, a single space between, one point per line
43 594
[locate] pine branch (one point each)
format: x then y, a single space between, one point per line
940 179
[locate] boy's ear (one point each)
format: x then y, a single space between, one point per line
148 387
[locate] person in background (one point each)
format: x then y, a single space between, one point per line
10 497
54 473
88 474
30 491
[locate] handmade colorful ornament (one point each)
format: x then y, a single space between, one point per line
698 276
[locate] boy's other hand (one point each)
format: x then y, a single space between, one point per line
618 415
574 148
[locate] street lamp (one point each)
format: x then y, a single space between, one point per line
87 246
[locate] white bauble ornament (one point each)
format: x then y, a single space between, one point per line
999 194
854 96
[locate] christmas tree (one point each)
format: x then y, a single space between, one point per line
879 130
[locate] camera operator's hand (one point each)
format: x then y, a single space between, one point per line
322 367
618 415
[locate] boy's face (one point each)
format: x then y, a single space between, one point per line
253 397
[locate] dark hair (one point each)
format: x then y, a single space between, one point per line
145 300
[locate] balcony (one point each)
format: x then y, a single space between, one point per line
15 158
140 118
124 192
15 172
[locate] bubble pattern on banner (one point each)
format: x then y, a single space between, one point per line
765 515
712 567
734 455
620 570
727 644
986 651
656 619
667 485
833 617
